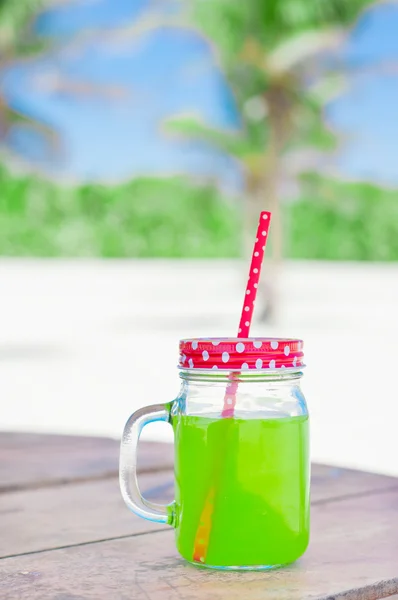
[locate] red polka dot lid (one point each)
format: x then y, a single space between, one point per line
241 354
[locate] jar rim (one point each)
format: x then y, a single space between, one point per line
223 376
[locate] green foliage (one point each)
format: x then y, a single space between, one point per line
263 40
144 218
343 221
270 22
14 16
270 50
248 148
173 218
229 142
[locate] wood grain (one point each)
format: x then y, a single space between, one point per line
35 460
68 535
36 520
329 482
352 556
49 517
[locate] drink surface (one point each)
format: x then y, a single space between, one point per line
259 471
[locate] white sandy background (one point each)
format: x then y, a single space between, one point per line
84 343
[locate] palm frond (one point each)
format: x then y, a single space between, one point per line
14 16
233 143
231 22
303 47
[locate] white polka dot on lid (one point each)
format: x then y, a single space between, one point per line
194 345
214 367
263 233
247 291
240 347
295 361
274 344
247 308
244 367
190 362
247 323
265 216
257 344
205 355
256 253
255 285
259 363
229 401
215 342
286 350
255 270
225 357
272 364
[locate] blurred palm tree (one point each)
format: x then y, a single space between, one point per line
274 53
15 41
18 39
14 17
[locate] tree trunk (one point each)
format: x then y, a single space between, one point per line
265 194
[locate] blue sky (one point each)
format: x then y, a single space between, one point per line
366 115
164 73
170 71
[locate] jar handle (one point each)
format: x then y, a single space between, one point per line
159 513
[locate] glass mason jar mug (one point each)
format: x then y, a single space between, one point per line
242 465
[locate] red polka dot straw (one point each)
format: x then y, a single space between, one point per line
254 274
202 536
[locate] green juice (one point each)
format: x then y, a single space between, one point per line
259 469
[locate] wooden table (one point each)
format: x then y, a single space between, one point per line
65 533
